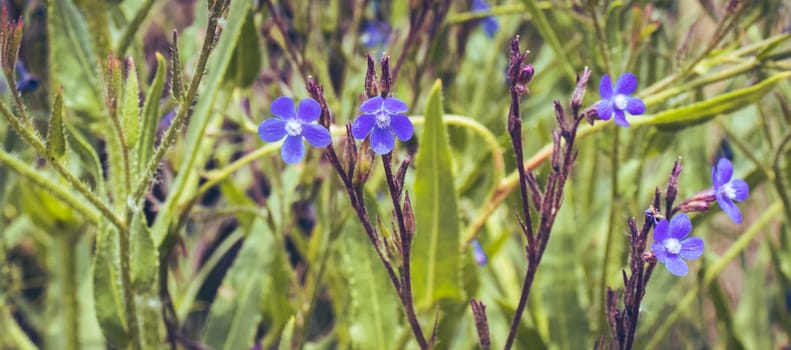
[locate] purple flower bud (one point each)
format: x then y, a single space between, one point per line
478 254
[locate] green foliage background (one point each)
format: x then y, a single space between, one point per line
233 248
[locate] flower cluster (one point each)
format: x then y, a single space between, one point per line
382 118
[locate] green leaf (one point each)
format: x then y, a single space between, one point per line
701 112
56 136
235 314
150 122
204 114
130 106
246 55
286 339
374 312
144 264
107 294
436 267
72 59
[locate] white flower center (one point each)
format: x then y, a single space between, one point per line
382 120
673 246
621 101
728 190
293 127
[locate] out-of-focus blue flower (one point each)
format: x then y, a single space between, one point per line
26 81
478 254
375 34
490 25
619 101
672 246
383 118
294 124
727 189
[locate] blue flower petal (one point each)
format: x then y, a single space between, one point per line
626 84
741 189
604 109
677 266
316 134
729 208
478 253
692 248
480 6
272 129
283 107
362 125
659 252
635 106
680 226
309 110
394 106
372 105
620 118
382 140
724 172
402 127
661 231
293 150
490 26
605 88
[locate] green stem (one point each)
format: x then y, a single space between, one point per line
57 190
136 340
212 34
68 264
13 336
610 234
39 146
711 273
131 29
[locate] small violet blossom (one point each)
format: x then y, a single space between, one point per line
383 119
490 25
294 124
727 189
375 34
671 244
619 101
479 254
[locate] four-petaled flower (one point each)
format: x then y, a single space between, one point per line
727 189
490 24
671 244
619 101
383 118
294 125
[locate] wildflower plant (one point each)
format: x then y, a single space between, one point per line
143 204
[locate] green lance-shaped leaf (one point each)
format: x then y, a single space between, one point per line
56 133
130 106
150 122
144 262
235 314
107 294
374 314
436 268
246 56
700 112
72 60
287 337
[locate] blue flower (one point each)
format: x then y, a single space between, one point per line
375 34
383 119
478 254
294 125
671 244
619 101
26 81
490 25
727 189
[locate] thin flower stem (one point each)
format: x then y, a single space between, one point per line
68 263
604 51
779 179
128 292
18 99
132 28
212 34
50 186
610 233
530 275
406 247
39 146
